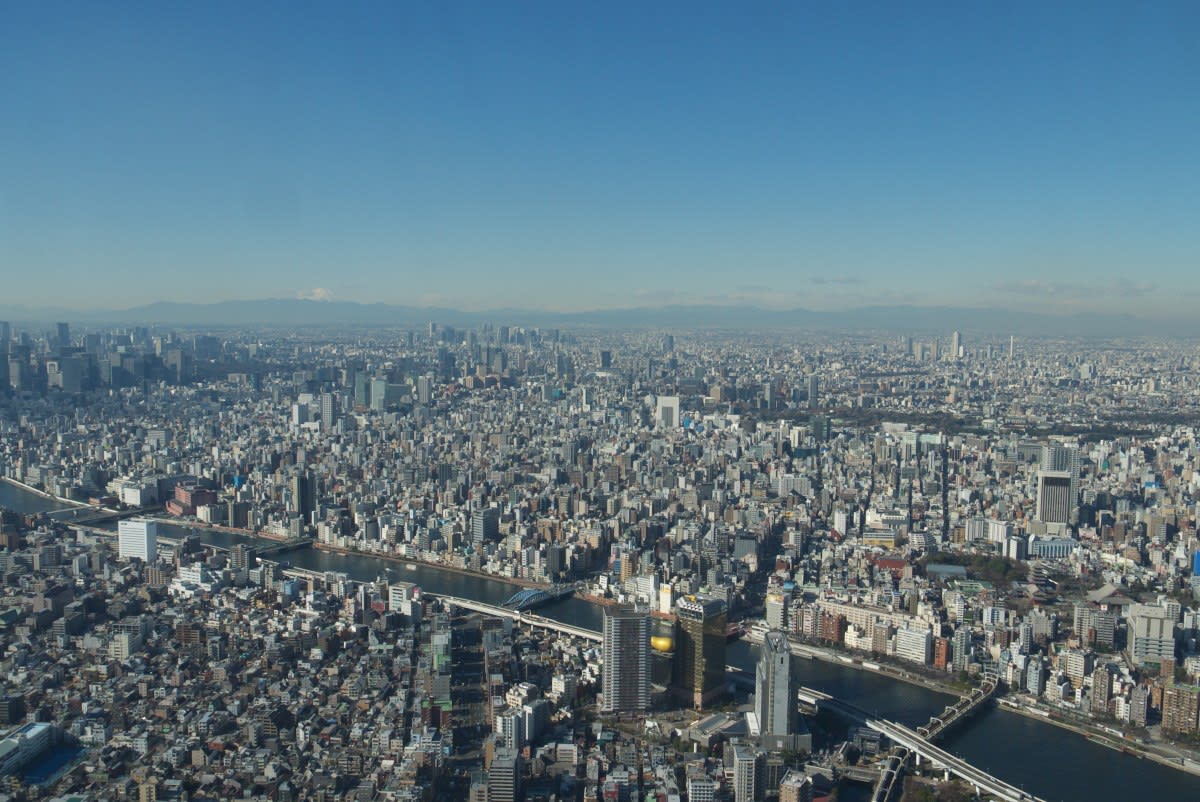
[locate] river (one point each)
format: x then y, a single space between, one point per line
25 502
1045 760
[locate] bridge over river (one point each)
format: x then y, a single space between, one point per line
917 745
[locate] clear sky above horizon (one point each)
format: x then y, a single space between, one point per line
577 155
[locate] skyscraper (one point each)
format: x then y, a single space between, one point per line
955 345
424 389
814 398
304 496
329 411
775 689
1054 497
626 675
1057 457
700 650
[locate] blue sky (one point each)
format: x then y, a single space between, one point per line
574 155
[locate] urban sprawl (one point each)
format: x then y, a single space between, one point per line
1009 520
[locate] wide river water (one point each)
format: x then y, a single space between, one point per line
1045 760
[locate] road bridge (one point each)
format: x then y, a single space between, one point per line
920 748
91 516
281 547
528 619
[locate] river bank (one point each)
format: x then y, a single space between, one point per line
454 569
838 658
37 491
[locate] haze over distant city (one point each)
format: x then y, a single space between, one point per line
1039 157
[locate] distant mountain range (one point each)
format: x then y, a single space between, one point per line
286 312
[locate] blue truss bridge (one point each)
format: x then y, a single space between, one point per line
535 597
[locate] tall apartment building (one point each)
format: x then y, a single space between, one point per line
914 645
1181 708
625 681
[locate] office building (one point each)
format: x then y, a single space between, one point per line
485 527
329 411
625 685
1054 497
362 390
25 744
504 776
304 496
1057 457
137 538
775 687
700 650
424 389
242 557
1151 635
814 398
666 413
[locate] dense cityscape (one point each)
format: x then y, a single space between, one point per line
519 563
